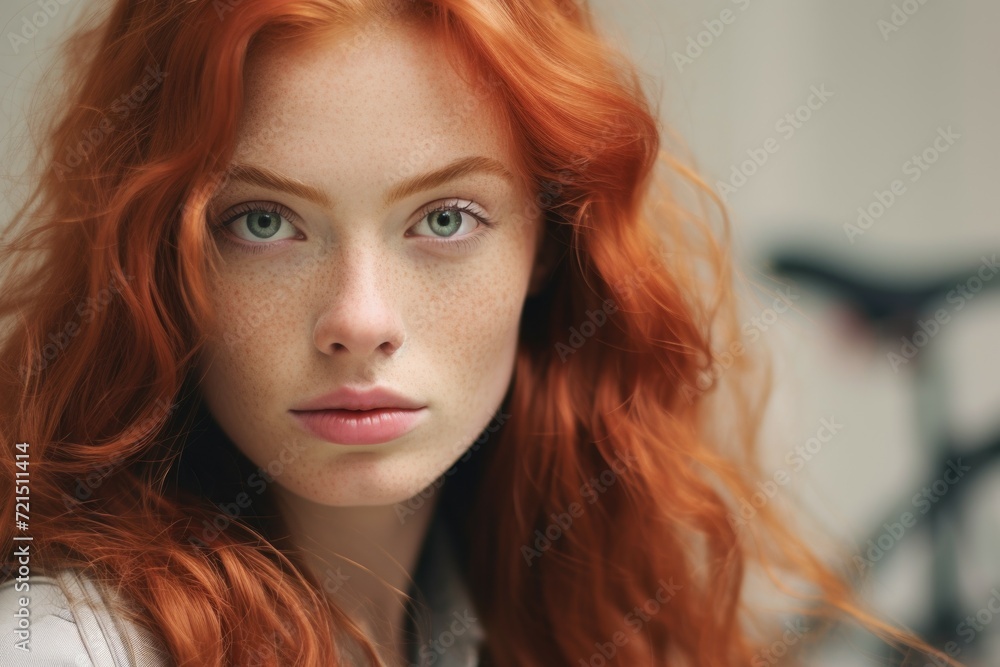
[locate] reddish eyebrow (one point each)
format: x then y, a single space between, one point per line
264 177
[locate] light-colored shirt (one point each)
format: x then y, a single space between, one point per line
71 626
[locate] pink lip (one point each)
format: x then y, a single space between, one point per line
359 427
352 416
349 398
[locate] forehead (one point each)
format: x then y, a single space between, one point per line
382 103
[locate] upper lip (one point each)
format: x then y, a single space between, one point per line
351 398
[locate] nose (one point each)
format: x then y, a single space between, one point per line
358 313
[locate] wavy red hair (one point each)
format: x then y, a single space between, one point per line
99 348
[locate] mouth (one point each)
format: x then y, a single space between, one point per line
360 427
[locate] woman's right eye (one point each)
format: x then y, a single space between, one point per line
260 223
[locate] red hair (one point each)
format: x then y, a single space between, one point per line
618 367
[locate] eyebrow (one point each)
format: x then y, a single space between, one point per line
267 178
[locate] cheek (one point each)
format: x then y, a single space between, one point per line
255 338
471 327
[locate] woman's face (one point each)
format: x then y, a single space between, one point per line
353 281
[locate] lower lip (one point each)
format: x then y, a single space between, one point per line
359 427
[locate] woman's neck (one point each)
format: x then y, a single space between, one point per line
364 558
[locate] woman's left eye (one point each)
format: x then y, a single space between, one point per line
447 220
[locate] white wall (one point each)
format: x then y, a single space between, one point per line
891 93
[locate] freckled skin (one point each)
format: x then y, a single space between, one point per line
356 293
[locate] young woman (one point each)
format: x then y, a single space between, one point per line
357 332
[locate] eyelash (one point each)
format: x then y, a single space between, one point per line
466 242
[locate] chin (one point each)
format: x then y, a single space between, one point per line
370 479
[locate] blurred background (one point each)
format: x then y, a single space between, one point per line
855 144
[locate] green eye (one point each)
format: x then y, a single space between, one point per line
263 224
445 221
260 222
